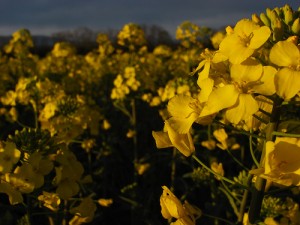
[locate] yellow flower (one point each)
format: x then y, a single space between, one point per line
169 137
171 207
84 212
282 161
48 111
242 42
68 174
209 144
105 202
35 169
286 56
184 111
221 136
50 200
270 221
19 183
14 196
217 168
9 156
235 95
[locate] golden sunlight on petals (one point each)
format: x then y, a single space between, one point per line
231 45
260 36
183 142
206 86
183 125
287 83
249 71
245 107
244 40
170 138
184 111
282 161
170 205
162 139
267 86
284 53
179 106
219 99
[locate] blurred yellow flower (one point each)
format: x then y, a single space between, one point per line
50 200
105 202
84 212
9 156
68 174
217 168
14 196
221 136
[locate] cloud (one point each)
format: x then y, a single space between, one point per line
46 16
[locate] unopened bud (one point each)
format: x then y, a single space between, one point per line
288 14
263 17
256 19
296 26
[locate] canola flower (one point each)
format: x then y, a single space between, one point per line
235 86
282 162
171 207
9 156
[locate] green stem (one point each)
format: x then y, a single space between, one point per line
252 152
244 201
260 183
216 174
228 191
276 133
231 201
236 160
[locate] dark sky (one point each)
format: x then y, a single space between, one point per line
50 16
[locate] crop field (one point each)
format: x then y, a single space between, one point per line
206 131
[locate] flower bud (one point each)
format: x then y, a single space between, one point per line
263 17
288 14
256 19
277 26
296 26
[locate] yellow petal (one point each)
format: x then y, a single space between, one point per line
235 48
249 70
219 99
179 106
246 106
269 149
183 142
260 36
287 151
245 27
184 112
267 86
287 83
162 139
284 53
206 86
183 125
170 205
